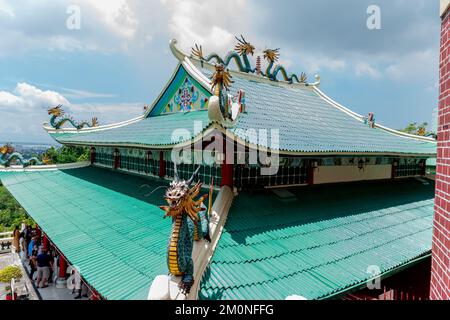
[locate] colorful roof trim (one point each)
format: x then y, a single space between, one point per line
319 243
106 224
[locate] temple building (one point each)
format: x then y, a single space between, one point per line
307 198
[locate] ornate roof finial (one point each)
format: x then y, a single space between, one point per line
221 79
57 112
272 55
258 65
243 47
240 57
8 156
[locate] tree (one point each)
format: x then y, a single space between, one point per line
11 213
66 154
418 129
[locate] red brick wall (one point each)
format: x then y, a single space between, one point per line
440 269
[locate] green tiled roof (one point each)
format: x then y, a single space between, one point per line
147 132
102 221
308 123
320 242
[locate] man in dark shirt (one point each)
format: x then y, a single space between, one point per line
43 263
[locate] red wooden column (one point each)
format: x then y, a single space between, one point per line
92 155
312 166
227 164
162 165
45 242
116 159
61 281
395 164
440 271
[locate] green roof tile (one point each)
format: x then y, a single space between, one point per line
308 123
102 221
320 244
150 131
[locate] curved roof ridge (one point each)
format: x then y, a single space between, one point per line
194 62
360 118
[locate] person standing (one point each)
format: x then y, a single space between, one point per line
16 240
31 245
43 269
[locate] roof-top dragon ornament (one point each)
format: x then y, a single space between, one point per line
8 156
242 50
190 222
272 55
223 107
58 112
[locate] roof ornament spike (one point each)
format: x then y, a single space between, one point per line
194 175
197 52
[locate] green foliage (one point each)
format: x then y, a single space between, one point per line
67 154
415 128
9 273
11 213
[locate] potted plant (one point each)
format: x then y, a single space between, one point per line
6 275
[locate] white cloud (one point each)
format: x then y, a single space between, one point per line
26 96
415 66
26 106
211 23
6 8
365 69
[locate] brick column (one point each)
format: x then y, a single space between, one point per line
440 269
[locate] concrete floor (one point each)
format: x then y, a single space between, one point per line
49 293
25 286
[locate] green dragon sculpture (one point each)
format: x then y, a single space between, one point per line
8 156
242 49
272 55
57 112
190 222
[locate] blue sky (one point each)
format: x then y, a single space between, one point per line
119 59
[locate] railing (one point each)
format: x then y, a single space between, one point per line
6 240
388 294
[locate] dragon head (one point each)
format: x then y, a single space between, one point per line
46 159
56 111
222 77
243 47
272 55
180 198
176 194
7 149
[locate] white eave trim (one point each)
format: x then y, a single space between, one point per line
361 119
40 168
50 129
